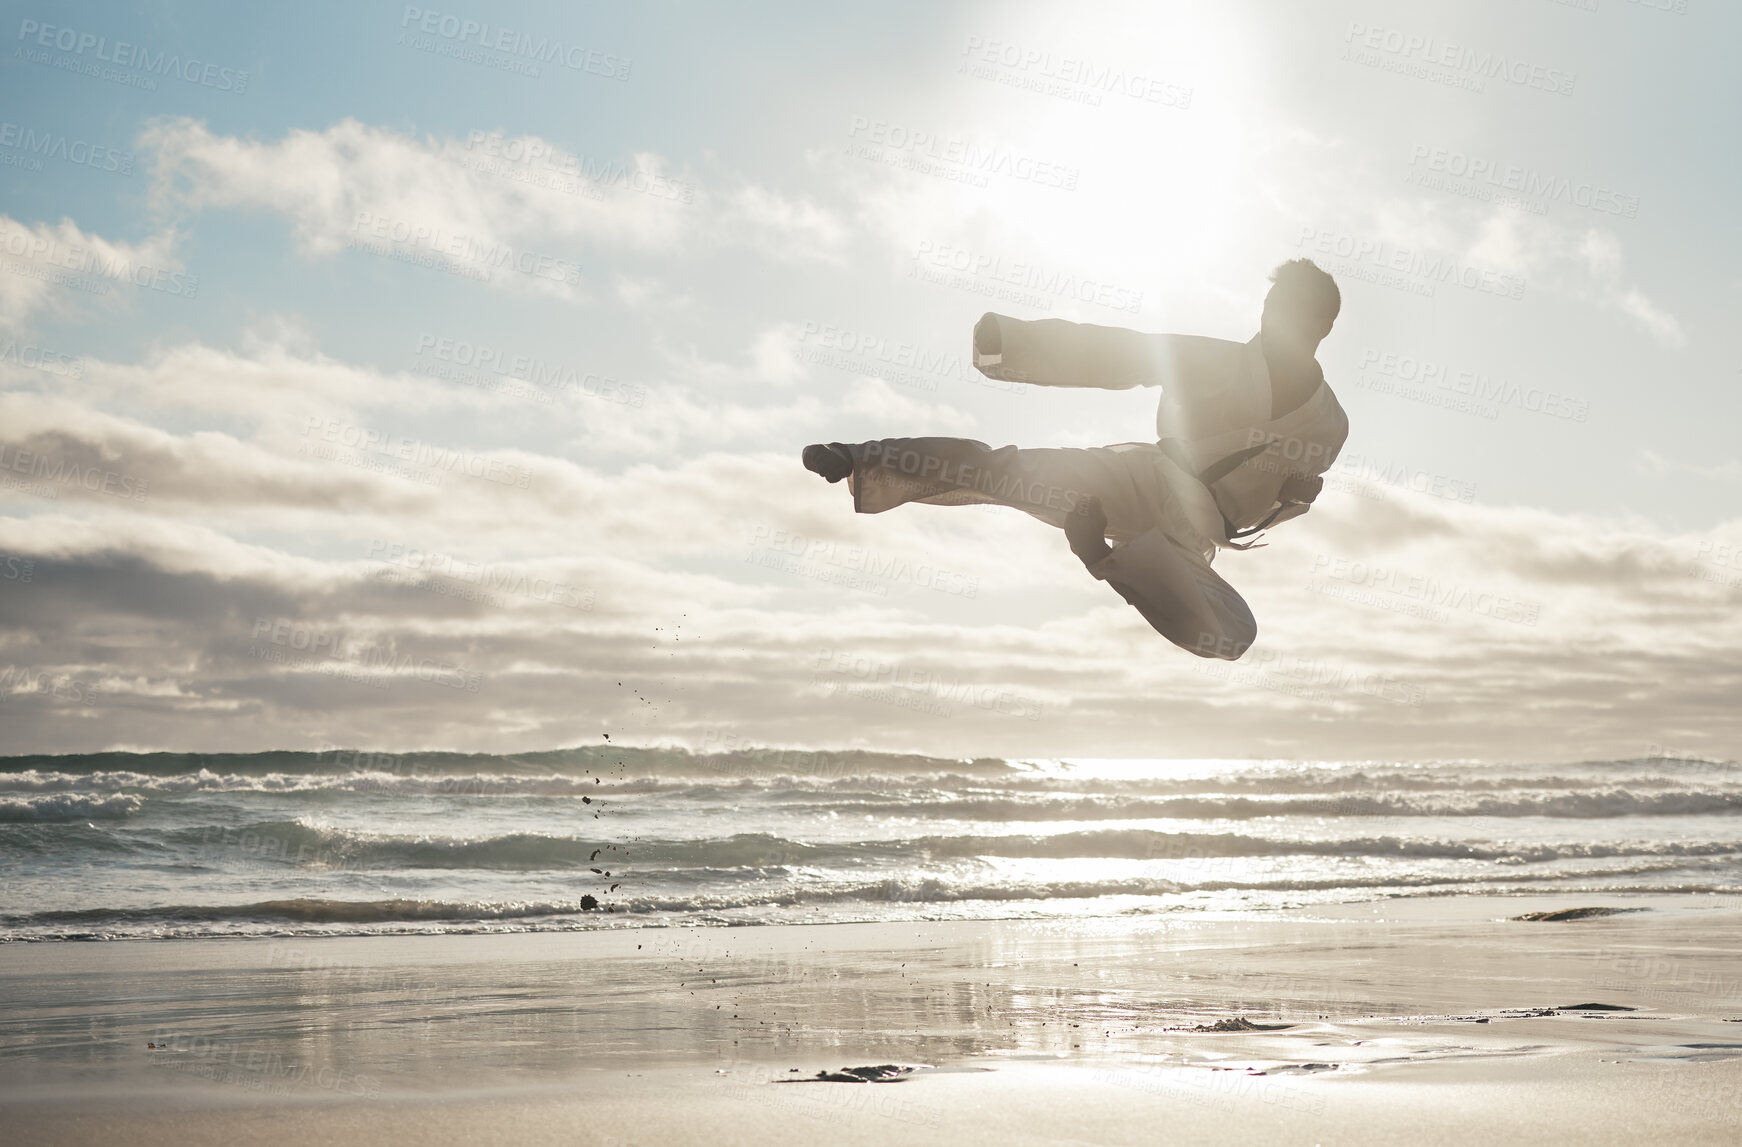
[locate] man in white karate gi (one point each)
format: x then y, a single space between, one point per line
1245 433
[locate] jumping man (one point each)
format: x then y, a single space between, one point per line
1246 431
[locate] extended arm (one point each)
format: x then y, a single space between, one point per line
1056 352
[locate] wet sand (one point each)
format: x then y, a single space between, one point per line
1432 1020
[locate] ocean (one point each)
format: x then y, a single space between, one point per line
112 846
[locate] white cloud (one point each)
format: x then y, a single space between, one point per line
1663 325
1728 471
1415 627
723 577
806 229
1601 253
59 269
476 203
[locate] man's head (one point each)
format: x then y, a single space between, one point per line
1302 303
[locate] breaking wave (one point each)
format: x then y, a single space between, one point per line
348 841
297 842
68 806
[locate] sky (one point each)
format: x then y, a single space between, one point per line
401 378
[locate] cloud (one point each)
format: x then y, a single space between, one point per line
59 269
266 382
1601 252
1729 471
668 568
1663 325
513 211
732 586
345 429
808 230
1584 263
719 581
330 451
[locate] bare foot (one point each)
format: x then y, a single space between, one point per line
831 461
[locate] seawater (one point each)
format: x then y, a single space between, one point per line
118 845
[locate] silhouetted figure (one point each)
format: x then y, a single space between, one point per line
1245 432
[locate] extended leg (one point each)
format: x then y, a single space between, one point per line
1094 494
958 471
1047 483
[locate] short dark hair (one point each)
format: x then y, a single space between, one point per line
1308 290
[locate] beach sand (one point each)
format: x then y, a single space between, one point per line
1423 1020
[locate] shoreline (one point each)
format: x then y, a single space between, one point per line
1290 1023
1127 908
